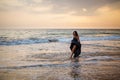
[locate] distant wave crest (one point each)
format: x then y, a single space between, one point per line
6 41
32 40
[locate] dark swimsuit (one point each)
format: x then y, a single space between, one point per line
77 51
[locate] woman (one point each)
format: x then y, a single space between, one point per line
75 46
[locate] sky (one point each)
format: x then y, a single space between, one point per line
83 14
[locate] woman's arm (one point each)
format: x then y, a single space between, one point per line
73 49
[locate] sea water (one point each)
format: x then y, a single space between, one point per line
46 50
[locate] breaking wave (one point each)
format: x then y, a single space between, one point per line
9 41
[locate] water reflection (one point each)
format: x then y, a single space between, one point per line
75 69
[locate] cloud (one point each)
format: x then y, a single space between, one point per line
6 5
76 7
64 6
60 12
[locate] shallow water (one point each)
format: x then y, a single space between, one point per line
44 55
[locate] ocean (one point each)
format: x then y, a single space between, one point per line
36 36
43 54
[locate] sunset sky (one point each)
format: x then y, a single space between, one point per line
60 14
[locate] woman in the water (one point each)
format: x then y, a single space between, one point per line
75 46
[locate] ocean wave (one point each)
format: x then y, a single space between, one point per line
98 38
36 65
6 41
32 40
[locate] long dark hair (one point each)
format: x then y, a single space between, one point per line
75 33
77 36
